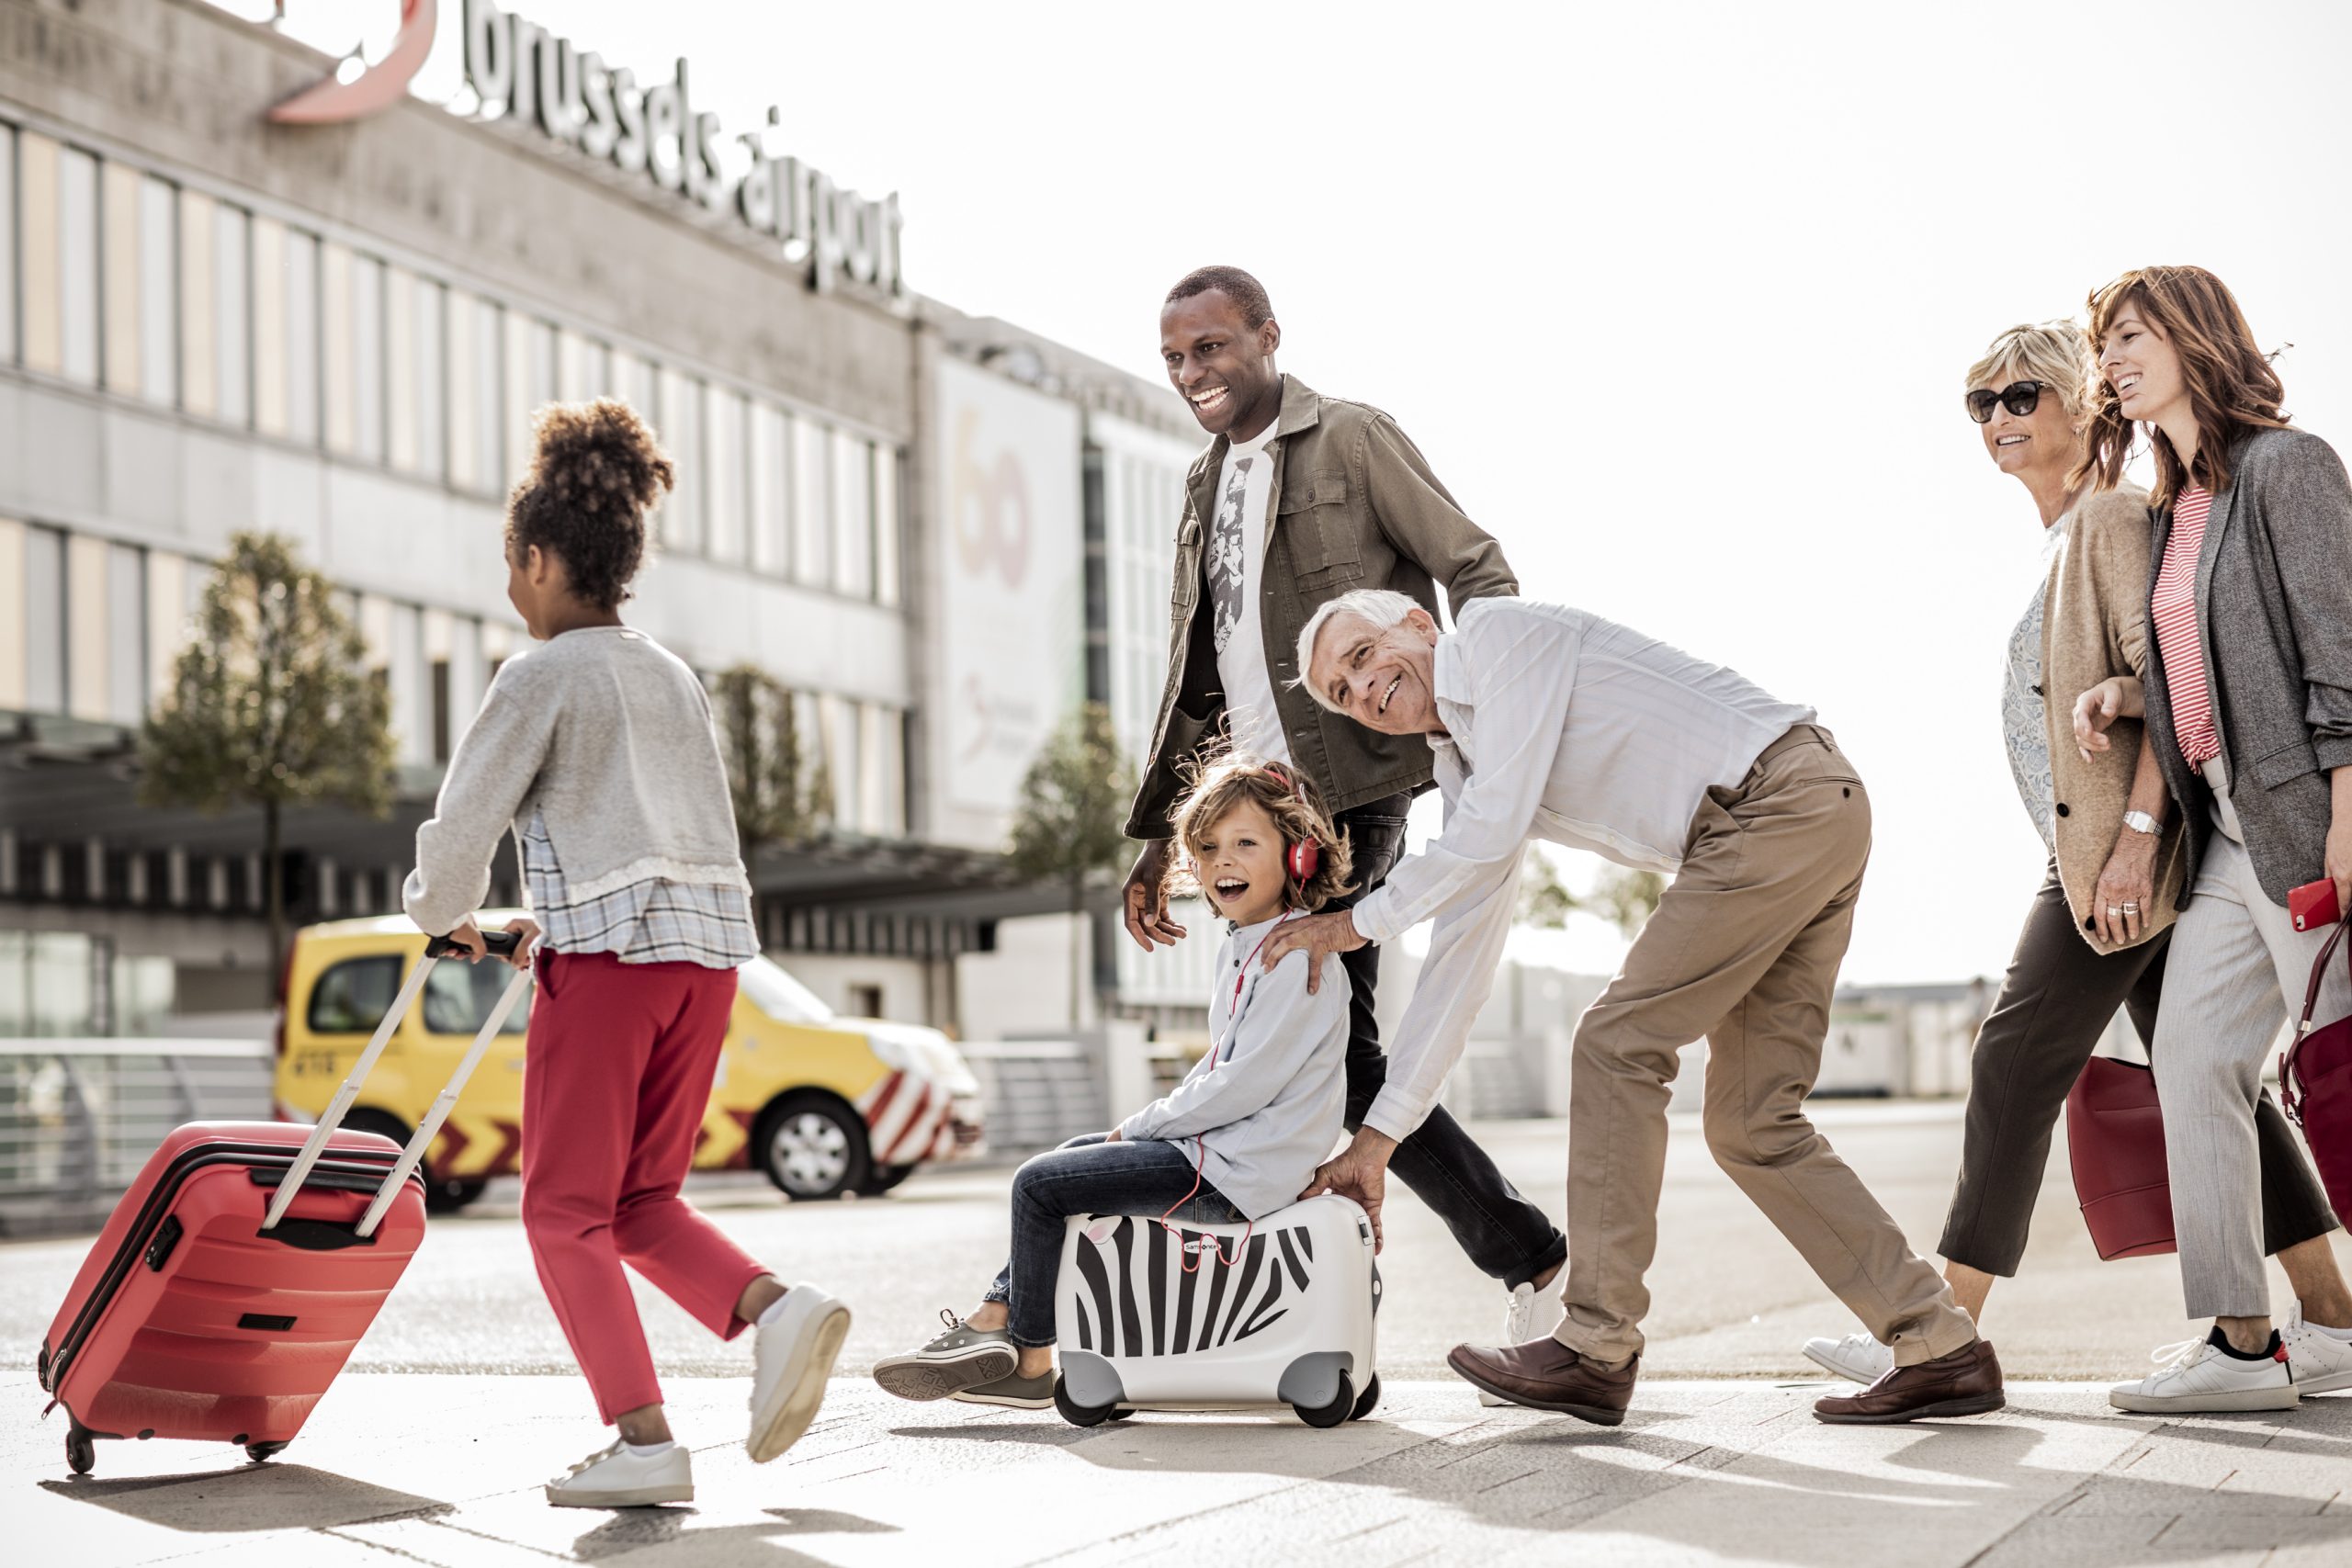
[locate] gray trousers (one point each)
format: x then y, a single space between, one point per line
2236 974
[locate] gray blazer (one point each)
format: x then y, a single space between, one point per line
2274 613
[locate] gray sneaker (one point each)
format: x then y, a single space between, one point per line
962 1357
1014 1391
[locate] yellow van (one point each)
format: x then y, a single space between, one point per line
824 1105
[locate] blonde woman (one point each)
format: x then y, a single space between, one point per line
2094 935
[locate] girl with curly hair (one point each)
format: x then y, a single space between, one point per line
1237 1140
596 747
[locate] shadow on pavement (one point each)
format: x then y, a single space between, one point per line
635 1530
251 1497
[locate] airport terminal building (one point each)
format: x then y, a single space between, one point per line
940 532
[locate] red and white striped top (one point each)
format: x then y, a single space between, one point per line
2173 607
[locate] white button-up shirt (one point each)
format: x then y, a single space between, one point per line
1562 726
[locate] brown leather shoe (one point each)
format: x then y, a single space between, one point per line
1966 1382
1545 1375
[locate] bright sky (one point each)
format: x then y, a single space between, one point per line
1675 298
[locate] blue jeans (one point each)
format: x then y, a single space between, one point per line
1088 1175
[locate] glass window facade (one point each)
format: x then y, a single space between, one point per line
77 264
158 291
853 516
8 243
769 497
118 279
812 504
723 475
679 426
232 381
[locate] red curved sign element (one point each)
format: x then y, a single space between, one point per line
376 88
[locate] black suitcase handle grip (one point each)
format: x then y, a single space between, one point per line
499 944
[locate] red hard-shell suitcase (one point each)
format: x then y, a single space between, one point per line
210 1309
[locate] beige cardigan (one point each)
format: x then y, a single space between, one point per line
2095 625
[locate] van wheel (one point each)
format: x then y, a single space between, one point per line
443 1196
448 1196
885 1178
812 1146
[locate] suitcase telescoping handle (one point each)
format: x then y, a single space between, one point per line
499 944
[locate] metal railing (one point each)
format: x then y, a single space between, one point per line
79 1117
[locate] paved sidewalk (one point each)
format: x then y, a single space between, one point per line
441 1468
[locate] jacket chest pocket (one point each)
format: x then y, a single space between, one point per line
1187 591
1319 531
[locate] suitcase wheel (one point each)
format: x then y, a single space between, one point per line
1120 1414
80 1453
1368 1401
260 1451
1079 1415
1331 1414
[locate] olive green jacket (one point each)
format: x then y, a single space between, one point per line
1355 506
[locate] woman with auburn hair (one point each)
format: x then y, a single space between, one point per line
2094 934
2248 707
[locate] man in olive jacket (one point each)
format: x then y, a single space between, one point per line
1301 498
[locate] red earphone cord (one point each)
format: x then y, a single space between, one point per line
1200 1141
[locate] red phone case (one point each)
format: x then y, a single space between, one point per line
2312 906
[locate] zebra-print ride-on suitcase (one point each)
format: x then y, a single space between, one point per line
1150 1318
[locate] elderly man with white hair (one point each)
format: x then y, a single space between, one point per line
1550 722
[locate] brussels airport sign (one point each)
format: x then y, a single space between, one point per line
521 72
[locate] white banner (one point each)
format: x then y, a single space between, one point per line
1011 551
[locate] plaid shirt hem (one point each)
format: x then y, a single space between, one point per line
653 921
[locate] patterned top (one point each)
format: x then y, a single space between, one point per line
2025 718
2173 608
652 921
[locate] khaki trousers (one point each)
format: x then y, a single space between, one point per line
1743 950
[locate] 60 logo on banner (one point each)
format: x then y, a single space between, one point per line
991 508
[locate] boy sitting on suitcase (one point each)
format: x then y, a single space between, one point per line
1237 1140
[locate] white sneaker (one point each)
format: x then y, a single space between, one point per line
615 1478
791 1359
1531 1314
1858 1358
2200 1376
2316 1359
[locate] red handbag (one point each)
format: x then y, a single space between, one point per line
2115 1141
2315 1084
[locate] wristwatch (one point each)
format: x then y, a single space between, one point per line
2141 822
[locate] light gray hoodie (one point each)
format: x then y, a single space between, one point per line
1268 1099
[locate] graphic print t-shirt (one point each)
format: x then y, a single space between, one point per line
1237 553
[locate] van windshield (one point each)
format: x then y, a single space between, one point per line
780 996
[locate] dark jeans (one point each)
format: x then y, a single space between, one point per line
1504 1235
1089 1175
2055 1003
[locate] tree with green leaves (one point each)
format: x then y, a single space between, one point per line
779 797
272 706
1622 896
1073 804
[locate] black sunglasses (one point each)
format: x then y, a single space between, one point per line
2020 398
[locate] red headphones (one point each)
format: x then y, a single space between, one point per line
1303 856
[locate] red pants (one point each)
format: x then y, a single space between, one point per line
615 1085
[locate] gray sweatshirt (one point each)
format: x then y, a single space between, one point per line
607 736
1268 1100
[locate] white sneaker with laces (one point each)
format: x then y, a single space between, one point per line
2200 1376
1858 1358
1531 1314
2317 1361
615 1478
791 1359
